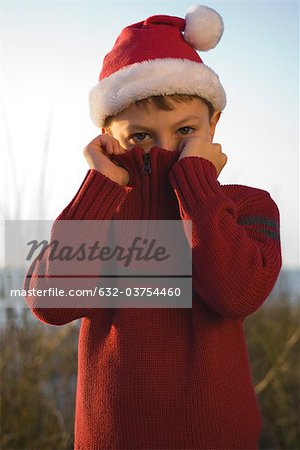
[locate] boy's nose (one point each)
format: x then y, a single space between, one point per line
167 144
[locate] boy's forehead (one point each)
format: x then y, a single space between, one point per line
135 115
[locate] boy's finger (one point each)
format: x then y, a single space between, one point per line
181 146
116 147
105 148
109 147
122 149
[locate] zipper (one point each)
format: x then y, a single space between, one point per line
146 166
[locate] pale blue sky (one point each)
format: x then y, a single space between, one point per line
51 55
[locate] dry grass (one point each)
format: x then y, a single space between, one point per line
38 370
273 338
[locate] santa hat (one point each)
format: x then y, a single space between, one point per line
158 57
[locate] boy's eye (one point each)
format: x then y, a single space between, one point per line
183 129
139 137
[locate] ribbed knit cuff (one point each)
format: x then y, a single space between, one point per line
97 198
194 179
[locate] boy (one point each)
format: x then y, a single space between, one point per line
169 378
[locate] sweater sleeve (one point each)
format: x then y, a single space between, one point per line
97 199
236 249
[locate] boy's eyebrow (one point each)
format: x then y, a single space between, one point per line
136 125
186 119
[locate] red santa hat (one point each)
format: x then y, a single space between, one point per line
158 57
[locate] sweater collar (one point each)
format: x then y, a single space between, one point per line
152 195
137 162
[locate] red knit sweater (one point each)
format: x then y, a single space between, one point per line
175 378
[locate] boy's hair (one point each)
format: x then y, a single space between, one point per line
161 102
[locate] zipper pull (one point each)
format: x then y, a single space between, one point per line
146 167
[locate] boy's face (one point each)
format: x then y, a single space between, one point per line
149 126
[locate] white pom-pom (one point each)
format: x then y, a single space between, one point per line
203 27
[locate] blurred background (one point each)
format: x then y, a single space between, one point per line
51 54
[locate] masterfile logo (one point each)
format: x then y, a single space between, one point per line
102 263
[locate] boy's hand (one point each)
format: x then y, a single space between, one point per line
97 154
197 146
